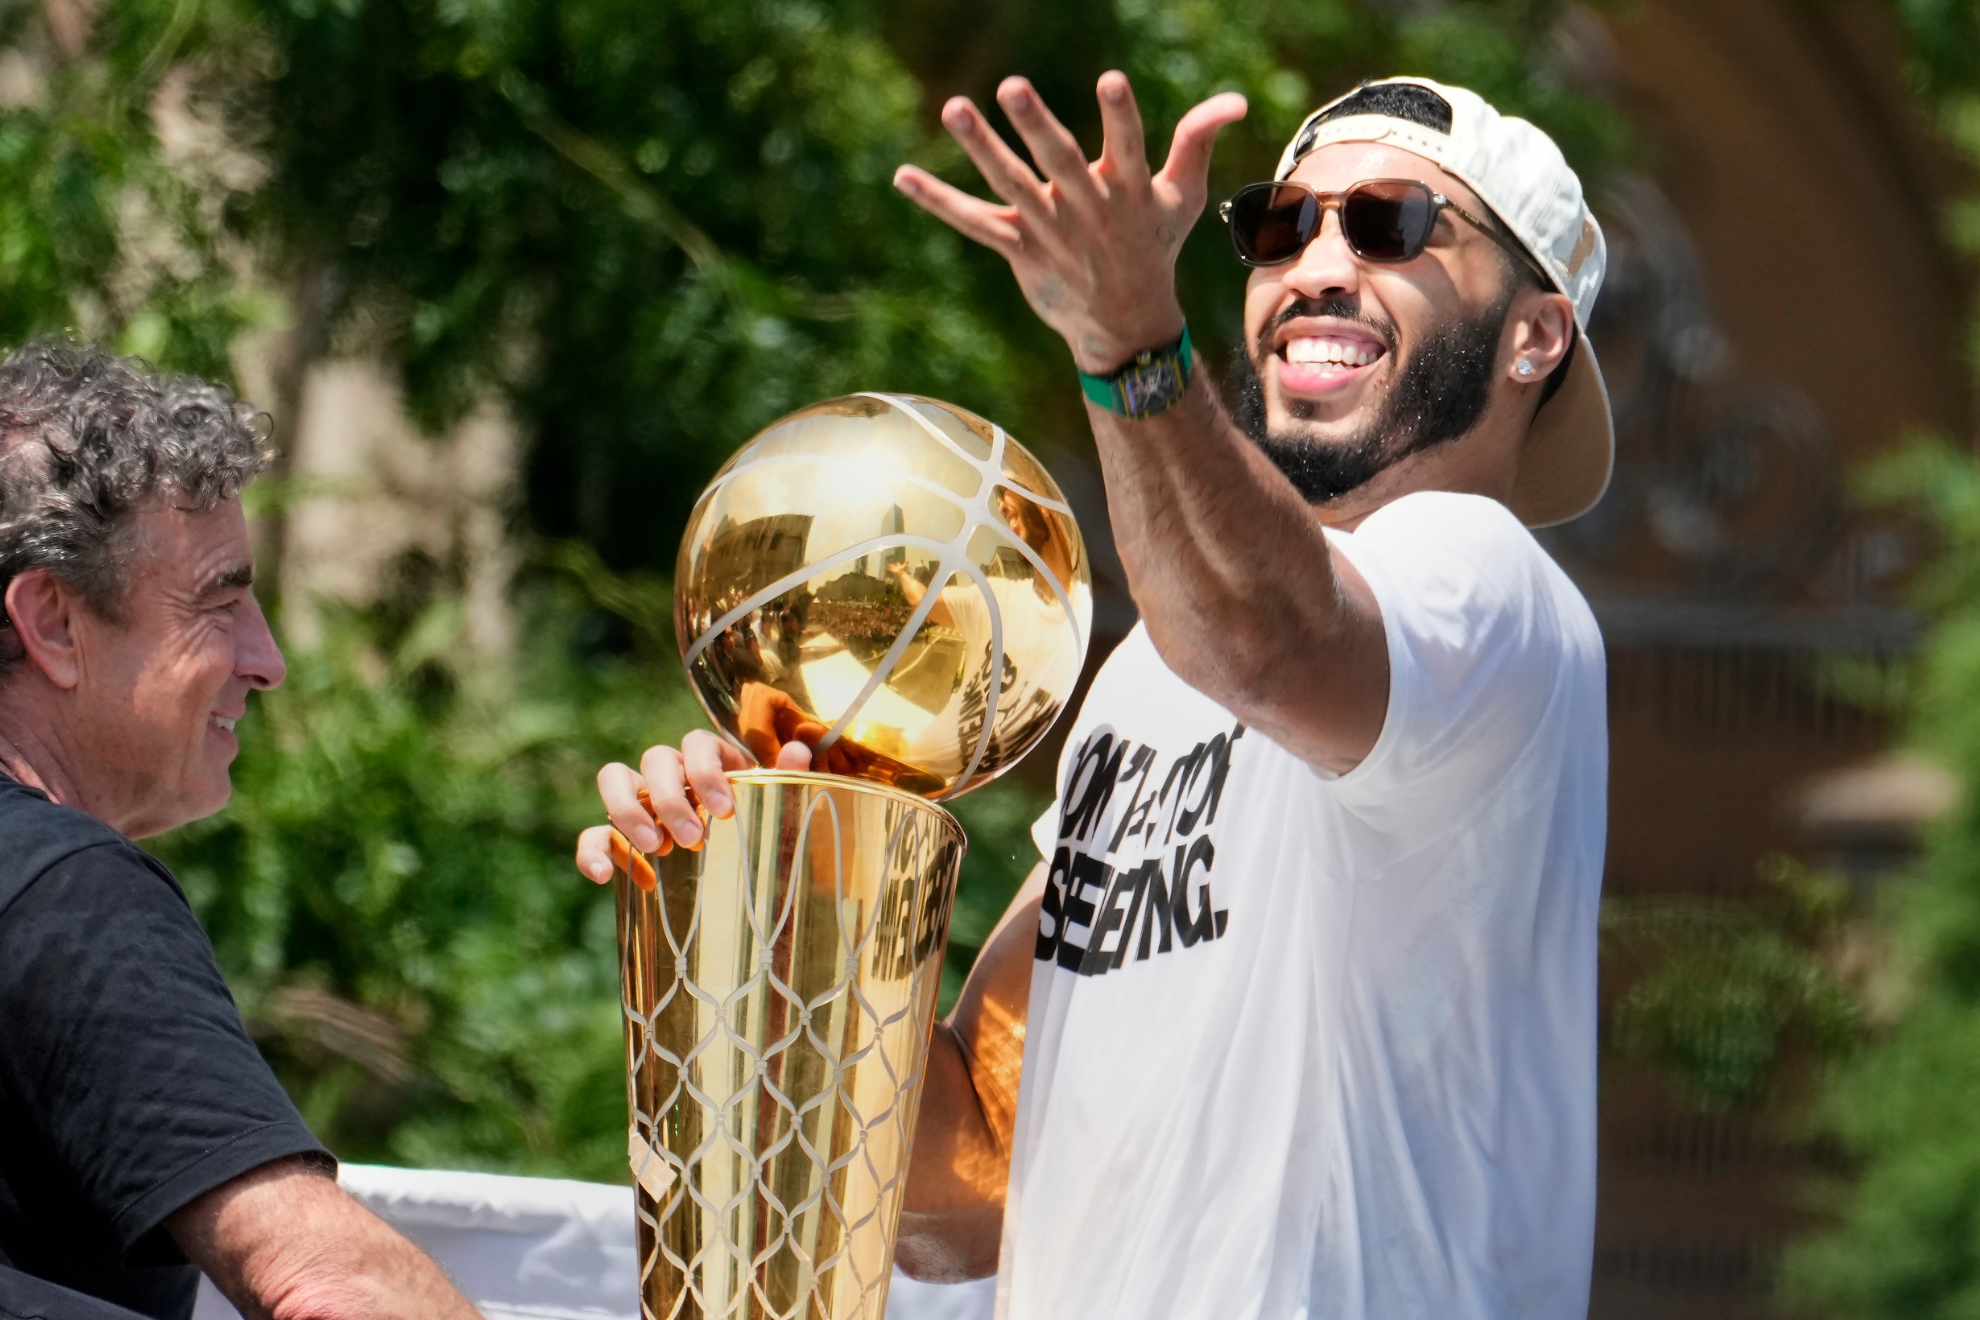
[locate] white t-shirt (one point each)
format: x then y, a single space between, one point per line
1316 1046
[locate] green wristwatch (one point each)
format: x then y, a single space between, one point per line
1152 382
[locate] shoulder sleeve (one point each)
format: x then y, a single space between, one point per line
1482 630
123 1050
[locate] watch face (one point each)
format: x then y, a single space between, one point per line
1152 388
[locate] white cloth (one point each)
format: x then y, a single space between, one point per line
520 1248
1352 1074
549 1248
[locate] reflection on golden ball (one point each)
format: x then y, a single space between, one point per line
891 579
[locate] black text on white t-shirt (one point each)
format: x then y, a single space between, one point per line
1143 888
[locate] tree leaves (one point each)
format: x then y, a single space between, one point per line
1907 1235
646 229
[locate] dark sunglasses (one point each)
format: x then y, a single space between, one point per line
1386 220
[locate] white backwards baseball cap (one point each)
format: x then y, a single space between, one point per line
1517 171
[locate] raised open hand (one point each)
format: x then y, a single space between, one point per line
1093 244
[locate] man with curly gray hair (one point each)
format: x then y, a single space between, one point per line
142 1137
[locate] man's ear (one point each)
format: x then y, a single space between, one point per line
43 608
1541 334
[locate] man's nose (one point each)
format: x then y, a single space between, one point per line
257 657
1327 265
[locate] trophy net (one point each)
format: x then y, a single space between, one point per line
779 991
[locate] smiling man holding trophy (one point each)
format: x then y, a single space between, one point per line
1302 995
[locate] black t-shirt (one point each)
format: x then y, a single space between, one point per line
128 1084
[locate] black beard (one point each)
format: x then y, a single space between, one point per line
1439 394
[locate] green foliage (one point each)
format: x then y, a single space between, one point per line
392 896
99 231
391 891
1907 1240
1730 989
647 228
997 820
652 227
1944 40
655 227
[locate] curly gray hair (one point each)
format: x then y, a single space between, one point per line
86 437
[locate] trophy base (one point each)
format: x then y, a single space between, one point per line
779 990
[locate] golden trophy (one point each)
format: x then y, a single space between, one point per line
900 584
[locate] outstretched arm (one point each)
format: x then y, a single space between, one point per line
913 588
1232 572
284 1242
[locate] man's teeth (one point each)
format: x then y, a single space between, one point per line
224 723
1341 352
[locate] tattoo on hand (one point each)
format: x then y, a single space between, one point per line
1050 292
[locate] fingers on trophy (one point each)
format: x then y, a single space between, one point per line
900 586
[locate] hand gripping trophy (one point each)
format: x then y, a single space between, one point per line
899 584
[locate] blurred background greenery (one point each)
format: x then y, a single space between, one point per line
643 229
639 230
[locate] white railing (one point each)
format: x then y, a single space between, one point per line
550 1248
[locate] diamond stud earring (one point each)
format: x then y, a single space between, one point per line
1523 367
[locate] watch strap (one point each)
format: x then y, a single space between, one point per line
1152 382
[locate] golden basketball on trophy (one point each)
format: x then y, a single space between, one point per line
899 584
